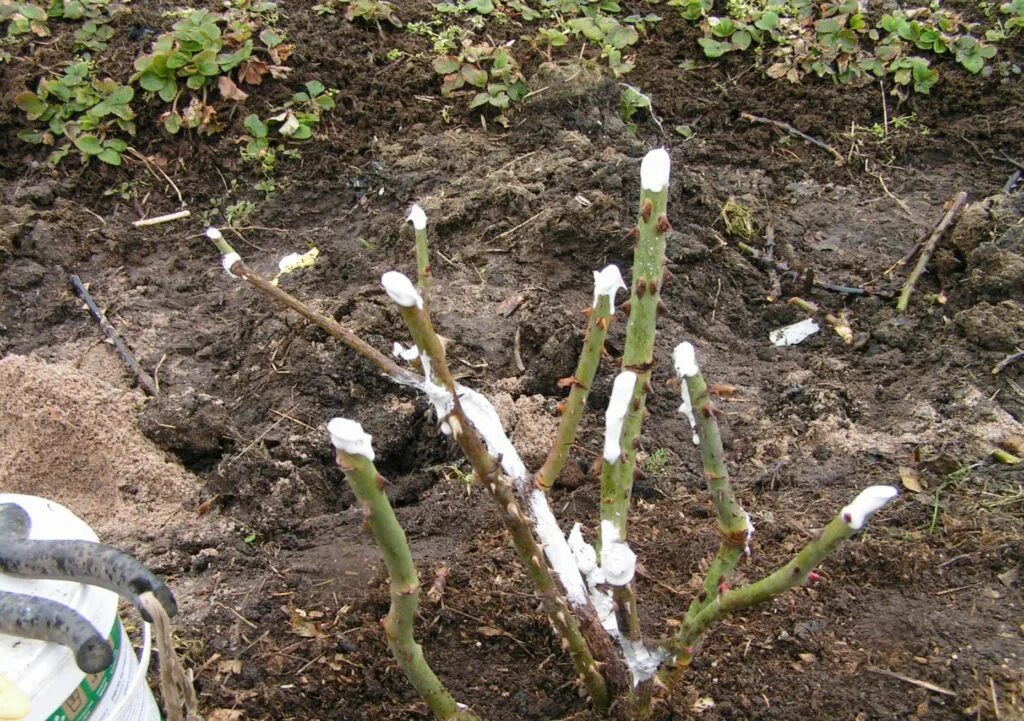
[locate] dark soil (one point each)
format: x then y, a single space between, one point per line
294 589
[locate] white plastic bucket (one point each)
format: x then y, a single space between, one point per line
46 672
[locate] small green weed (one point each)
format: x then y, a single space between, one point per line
656 462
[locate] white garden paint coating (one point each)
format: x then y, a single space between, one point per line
349 437
865 504
618 405
485 419
228 260
608 281
618 562
750 533
401 290
641 661
439 397
582 552
417 217
214 234
655 169
557 549
685 360
407 354
794 333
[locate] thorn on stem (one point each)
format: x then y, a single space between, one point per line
663 224
646 209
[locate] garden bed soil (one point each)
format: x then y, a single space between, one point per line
225 483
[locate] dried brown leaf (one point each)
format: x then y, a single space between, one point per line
911 480
228 89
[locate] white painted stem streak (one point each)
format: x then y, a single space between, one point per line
615 416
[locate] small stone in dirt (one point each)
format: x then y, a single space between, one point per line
23 274
40 195
996 273
997 328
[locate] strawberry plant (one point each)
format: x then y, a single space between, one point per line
493 73
84 110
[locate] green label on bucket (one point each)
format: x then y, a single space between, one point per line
80 704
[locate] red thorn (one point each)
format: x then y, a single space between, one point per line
723 587
813 577
663 224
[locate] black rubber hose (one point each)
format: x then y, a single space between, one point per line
41 619
82 561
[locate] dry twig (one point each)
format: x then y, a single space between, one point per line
952 209
145 380
796 133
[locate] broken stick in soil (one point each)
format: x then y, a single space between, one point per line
952 209
1005 362
796 133
760 259
145 380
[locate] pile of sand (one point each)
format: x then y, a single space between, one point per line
69 436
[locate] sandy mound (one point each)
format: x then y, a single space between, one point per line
69 436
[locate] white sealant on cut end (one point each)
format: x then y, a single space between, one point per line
407 354
401 290
214 234
615 416
558 551
417 217
794 333
349 437
856 514
655 170
608 282
684 357
618 562
228 260
750 533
